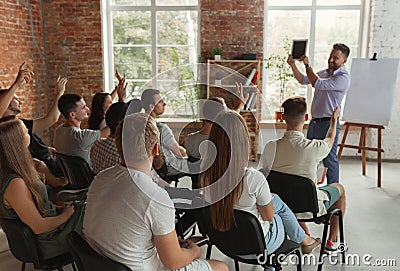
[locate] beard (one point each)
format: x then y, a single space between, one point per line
14 110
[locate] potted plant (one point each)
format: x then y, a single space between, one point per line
281 72
217 53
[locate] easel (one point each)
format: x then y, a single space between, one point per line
361 145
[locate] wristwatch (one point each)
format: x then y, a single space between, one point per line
307 65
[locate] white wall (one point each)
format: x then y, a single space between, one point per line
385 41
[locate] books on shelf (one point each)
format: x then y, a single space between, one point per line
250 77
251 102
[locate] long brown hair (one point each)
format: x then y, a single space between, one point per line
223 180
15 157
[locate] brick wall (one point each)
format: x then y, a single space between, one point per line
235 26
55 37
73 44
21 39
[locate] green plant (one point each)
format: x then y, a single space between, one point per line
217 51
188 87
281 72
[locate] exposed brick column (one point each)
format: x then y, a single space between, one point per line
235 26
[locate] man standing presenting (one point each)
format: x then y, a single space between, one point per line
330 86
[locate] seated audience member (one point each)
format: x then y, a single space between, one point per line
297 155
44 158
23 195
230 184
211 108
147 239
69 138
103 153
102 101
154 105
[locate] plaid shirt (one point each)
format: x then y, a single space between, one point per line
104 154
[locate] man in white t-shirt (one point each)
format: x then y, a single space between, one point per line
129 218
297 155
69 138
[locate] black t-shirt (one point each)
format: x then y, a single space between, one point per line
37 147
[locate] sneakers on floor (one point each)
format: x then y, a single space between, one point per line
330 246
72 195
308 249
335 247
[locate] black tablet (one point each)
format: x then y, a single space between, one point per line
299 48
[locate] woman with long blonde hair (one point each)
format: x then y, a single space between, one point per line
230 184
23 195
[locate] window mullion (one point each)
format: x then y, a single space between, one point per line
154 60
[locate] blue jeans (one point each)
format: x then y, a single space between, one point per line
284 222
317 130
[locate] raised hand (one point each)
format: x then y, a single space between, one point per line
239 95
24 75
290 60
121 89
335 114
60 85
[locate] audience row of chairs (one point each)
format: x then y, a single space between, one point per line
244 242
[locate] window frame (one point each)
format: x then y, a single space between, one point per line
108 39
363 38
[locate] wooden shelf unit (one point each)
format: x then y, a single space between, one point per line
221 78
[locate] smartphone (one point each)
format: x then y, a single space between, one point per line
199 240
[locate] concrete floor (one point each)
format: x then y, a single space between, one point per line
371 222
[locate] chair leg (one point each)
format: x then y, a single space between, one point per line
208 255
23 266
323 243
341 231
73 266
298 255
236 265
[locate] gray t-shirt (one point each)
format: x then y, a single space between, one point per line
124 209
192 144
167 141
75 141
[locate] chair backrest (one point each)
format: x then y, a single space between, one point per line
77 170
21 240
299 193
88 259
245 237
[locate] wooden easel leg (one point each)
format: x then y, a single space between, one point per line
379 155
343 141
363 152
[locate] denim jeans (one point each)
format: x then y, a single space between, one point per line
317 130
284 222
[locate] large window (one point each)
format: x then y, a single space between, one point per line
146 39
323 23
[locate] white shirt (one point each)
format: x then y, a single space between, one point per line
124 210
255 193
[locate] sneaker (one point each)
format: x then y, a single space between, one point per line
308 249
72 195
330 246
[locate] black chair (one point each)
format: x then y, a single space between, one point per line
24 246
244 241
182 199
77 170
89 260
300 194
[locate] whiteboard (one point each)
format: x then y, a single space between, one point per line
370 96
